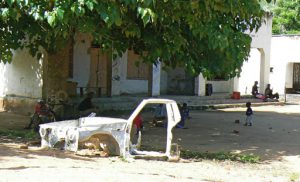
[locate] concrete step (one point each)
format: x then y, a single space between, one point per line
194 102
292 98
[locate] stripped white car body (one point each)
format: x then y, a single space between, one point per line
74 131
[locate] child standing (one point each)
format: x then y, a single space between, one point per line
138 122
249 114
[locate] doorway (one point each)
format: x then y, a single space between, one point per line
296 76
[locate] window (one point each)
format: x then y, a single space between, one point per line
136 69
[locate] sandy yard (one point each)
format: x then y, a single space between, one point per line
274 137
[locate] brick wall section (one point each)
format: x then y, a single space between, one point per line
56 71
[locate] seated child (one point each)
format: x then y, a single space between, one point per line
42 114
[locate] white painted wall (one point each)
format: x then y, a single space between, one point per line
285 51
200 85
220 86
250 73
23 77
156 74
288 76
262 41
116 75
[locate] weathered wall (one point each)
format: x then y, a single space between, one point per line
57 71
21 82
284 52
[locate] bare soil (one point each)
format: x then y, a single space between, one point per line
274 137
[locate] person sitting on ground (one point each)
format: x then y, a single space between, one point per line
86 106
269 93
184 113
255 89
42 114
255 92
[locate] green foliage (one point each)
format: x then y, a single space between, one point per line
186 154
24 134
202 36
286 18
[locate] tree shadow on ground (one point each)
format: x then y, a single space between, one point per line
272 137
11 149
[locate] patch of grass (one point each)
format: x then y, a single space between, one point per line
294 176
187 154
245 158
24 134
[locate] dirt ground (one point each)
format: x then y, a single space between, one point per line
274 137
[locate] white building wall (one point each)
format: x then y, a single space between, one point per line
117 75
156 75
262 41
250 73
200 85
220 86
284 52
21 78
288 72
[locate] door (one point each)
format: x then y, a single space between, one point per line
296 76
99 74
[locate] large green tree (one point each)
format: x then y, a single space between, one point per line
202 35
286 17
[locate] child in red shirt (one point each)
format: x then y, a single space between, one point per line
138 122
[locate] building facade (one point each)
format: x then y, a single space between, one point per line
82 67
285 64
